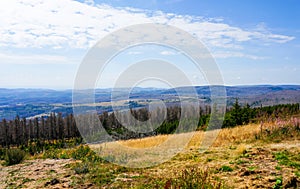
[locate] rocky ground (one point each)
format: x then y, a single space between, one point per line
39 173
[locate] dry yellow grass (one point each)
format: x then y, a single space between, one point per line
144 142
237 134
158 149
223 137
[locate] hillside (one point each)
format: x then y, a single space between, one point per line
252 156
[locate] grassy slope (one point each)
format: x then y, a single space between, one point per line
242 157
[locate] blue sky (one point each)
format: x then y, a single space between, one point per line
42 43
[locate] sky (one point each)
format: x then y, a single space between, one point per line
43 43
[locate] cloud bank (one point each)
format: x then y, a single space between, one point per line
70 24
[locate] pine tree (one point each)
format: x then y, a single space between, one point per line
237 113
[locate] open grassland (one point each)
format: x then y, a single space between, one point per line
253 156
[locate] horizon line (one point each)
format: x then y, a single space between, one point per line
109 88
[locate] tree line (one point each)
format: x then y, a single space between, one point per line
21 131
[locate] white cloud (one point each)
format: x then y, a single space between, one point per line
167 53
278 38
264 33
70 24
33 59
233 54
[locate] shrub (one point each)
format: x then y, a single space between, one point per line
52 153
85 153
193 177
2 153
81 168
82 153
14 156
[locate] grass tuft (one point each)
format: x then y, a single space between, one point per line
225 168
193 177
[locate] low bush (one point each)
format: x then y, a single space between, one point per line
14 156
81 168
2 153
193 177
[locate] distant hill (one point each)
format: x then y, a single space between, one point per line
31 102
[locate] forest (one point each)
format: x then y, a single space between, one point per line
40 132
